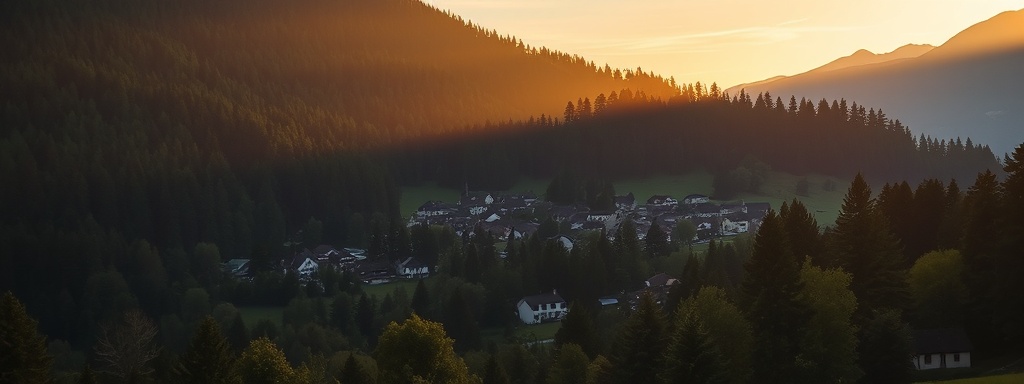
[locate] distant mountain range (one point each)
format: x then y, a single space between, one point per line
972 85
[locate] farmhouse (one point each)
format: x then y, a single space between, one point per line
942 348
411 268
540 308
696 199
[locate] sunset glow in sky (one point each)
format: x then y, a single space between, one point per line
725 41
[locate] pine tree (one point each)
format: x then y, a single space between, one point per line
569 366
771 291
578 328
421 300
208 358
656 242
863 245
23 357
494 373
638 350
692 357
354 372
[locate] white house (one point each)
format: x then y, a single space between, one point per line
411 268
738 226
696 199
304 265
540 308
942 348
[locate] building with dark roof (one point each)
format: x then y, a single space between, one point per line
540 308
942 348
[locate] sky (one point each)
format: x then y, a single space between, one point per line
725 41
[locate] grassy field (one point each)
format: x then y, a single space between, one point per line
381 290
1015 378
778 188
542 331
252 315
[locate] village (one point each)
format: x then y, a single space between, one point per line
514 216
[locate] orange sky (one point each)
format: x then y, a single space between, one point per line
725 41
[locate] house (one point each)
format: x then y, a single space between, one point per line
325 252
476 198
304 264
662 200
625 203
696 199
540 308
729 209
373 272
434 208
411 268
236 267
942 348
707 210
734 225
660 280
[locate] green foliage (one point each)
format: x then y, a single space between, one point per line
23 357
885 350
208 359
578 328
771 291
262 362
418 349
828 346
569 367
693 356
354 372
863 245
938 290
638 352
725 327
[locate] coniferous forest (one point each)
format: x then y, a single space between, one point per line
145 143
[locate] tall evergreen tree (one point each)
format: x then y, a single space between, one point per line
771 292
493 372
862 244
692 356
23 357
639 348
656 242
1009 313
208 359
569 366
354 372
421 300
578 328
802 230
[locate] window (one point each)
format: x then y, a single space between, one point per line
956 357
927 359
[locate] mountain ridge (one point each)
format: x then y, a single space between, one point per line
954 90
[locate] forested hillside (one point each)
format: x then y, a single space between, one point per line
234 122
624 136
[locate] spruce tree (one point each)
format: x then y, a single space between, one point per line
23 357
862 244
692 356
354 372
494 373
421 300
771 291
578 328
638 351
208 358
